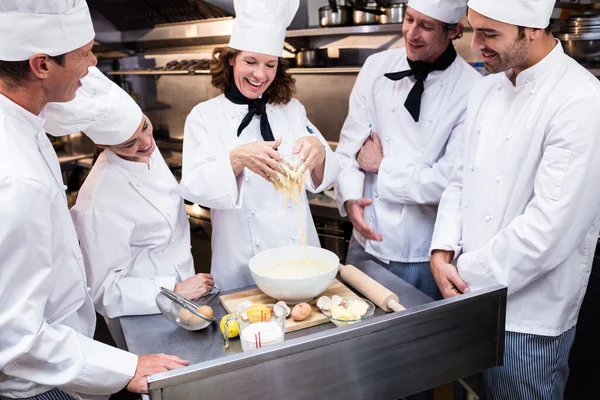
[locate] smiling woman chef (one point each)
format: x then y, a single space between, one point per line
230 151
129 216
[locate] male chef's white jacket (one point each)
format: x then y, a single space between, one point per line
134 233
418 157
47 319
247 213
522 209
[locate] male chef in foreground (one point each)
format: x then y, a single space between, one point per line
522 209
400 141
47 319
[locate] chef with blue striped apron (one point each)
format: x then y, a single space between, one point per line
522 208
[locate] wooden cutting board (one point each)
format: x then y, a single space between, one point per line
230 302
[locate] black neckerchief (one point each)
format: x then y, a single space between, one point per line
420 70
255 107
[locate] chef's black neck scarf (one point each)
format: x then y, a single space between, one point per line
420 70
255 107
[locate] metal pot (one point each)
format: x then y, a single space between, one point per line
311 58
394 14
580 37
367 15
336 14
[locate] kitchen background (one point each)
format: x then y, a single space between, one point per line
159 51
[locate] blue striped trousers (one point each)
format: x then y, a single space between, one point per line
54 394
416 274
535 368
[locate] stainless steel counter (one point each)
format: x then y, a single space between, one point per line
385 357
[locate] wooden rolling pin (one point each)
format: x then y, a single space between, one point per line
370 288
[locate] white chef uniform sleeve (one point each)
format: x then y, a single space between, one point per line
32 349
565 204
207 175
332 164
356 129
105 244
401 183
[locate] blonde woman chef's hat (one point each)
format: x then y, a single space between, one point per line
101 109
51 27
526 13
260 25
448 11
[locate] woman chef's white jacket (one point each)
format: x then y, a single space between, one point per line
47 319
134 233
247 213
523 207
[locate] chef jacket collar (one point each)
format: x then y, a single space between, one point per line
22 115
540 69
134 167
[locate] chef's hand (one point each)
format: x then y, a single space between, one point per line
446 275
356 214
312 153
150 365
195 286
259 157
370 154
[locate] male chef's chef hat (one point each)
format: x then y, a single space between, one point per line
51 27
527 13
101 110
448 11
260 25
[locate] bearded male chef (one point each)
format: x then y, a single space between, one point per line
522 209
47 319
400 140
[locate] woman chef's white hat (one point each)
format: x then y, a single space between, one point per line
260 25
526 13
448 11
101 110
51 27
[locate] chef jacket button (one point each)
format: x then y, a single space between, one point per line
532 92
387 139
89 289
247 179
289 205
478 129
508 137
422 151
471 168
430 120
392 109
466 205
488 218
293 238
252 212
499 87
65 187
172 241
232 117
257 244
441 84
168 213
138 184
499 178
376 195
188 217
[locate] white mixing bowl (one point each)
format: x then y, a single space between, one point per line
294 290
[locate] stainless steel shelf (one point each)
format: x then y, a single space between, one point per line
294 71
346 30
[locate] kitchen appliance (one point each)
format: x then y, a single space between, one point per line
294 289
580 37
231 301
393 14
311 58
335 14
367 15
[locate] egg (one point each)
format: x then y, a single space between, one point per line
206 311
301 311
